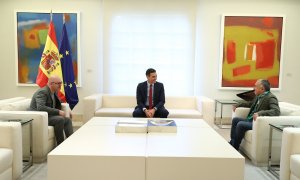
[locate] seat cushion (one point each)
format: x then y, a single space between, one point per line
184 113
6 158
127 112
114 112
51 139
51 132
248 136
295 165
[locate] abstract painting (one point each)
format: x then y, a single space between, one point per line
31 33
251 49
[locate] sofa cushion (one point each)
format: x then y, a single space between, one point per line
248 136
115 101
6 158
5 101
21 105
285 111
288 109
127 112
114 112
295 165
183 102
51 132
295 113
184 113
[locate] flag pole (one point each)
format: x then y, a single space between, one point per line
51 15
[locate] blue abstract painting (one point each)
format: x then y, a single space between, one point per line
32 29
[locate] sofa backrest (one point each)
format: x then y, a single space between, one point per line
9 100
288 109
118 101
172 102
182 102
21 105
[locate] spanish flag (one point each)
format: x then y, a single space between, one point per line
50 62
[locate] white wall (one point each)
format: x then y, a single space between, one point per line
207 44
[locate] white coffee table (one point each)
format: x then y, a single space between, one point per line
95 151
193 154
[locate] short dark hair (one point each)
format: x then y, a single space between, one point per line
266 84
149 71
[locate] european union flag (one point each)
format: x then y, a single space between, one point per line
67 70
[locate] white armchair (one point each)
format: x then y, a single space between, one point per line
290 154
43 135
256 141
10 150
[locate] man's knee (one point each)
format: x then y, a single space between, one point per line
165 113
235 120
68 121
138 113
243 125
56 121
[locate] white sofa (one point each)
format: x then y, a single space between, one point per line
256 141
290 154
107 105
10 150
43 135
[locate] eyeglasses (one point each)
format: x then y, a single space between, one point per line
57 83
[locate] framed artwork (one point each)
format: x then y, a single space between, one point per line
31 33
251 49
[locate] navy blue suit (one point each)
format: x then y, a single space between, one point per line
158 100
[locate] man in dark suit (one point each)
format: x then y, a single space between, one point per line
150 97
264 104
46 99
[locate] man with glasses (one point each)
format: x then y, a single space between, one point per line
46 99
264 104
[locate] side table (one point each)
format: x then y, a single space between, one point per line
274 168
26 123
222 103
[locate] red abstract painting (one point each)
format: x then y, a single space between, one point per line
251 50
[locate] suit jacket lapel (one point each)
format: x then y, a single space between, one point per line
145 90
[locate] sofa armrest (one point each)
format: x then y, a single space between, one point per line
240 112
39 130
290 145
11 138
66 108
260 135
207 108
90 105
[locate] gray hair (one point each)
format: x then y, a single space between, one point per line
266 84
